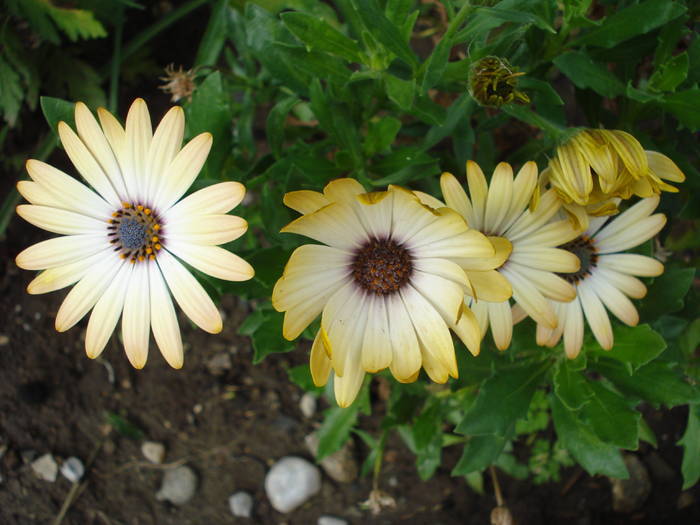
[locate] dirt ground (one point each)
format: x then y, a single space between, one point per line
229 426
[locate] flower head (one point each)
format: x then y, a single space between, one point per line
607 277
178 82
597 166
123 239
526 247
385 282
493 82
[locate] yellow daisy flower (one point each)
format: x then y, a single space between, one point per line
385 282
607 277
596 166
122 239
526 247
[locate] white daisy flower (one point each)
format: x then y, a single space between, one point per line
526 247
123 239
384 281
607 277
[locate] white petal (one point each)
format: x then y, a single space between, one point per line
340 317
499 199
136 318
189 294
641 231
630 286
530 298
531 221
166 330
166 142
205 229
181 172
406 357
596 315
60 221
573 328
631 263
106 313
546 259
628 218
615 301
138 141
213 260
523 186
376 347
60 250
65 275
501 321
445 295
217 198
456 198
548 283
469 331
336 225
85 294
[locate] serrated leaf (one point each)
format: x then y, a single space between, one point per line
77 23
571 386
585 73
690 467
631 21
595 456
612 420
634 345
318 34
670 74
267 339
502 399
400 91
685 106
380 135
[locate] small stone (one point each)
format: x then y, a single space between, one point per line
179 485
501 516
241 504
331 520
45 468
4 340
685 500
290 482
341 466
153 451
307 405
660 470
630 494
73 469
219 364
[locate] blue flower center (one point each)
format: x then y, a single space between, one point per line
132 233
135 232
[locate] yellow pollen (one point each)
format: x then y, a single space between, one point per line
156 227
114 215
139 207
141 257
126 205
155 238
152 257
133 261
122 256
147 211
149 251
157 246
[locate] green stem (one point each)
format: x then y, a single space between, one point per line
458 19
378 461
116 61
7 210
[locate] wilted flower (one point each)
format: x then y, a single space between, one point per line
121 242
384 281
179 83
494 82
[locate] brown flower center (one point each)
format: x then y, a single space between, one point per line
584 249
135 231
382 266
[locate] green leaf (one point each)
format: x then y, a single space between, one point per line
275 124
585 73
503 399
338 423
319 35
403 165
690 338
11 92
655 382
685 106
57 110
612 419
631 21
427 425
595 456
646 433
458 112
479 453
691 453
571 386
77 23
123 426
400 91
634 345
267 339
383 30
520 17
525 114
315 64
380 135
670 74
666 294
300 375
215 35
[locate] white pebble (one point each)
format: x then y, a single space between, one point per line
45 468
73 469
153 451
241 504
331 520
307 405
290 482
179 485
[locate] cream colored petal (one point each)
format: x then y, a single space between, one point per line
432 365
664 167
629 149
138 141
552 234
115 135
573 328
107 311
490 286
465 245
456 198
627 219
166 142
529 297
546 336
518 313
524 185
319 363
635 235
92 136
429 200
335 225
35 193
345 189
576 173
478 190
630 286
85 294
547 259
409 216
595 224
347 387
632 264
503 249
596 315
531 221
60 250
189 294
61 276
615 301
61 221
136 318
548 283
501 321
406 357
433 333
182 171
339 319
499 199
468 330
213 260
305 201
166 330
375 212
351 338
217 198
86 164
446 296
443 268
481 312
67 193
206 229
376 346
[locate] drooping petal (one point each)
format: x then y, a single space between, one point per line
490 286
339 319
501 321
468 330
573 328
305 201
319 362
